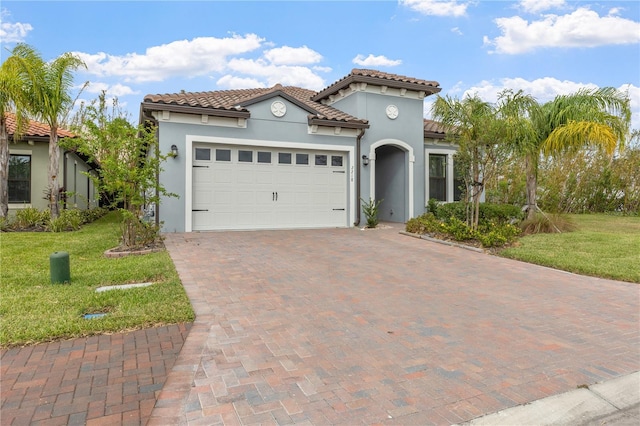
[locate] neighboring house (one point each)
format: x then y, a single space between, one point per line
28 165
287 157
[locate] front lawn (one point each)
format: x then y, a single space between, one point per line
603 246
34 310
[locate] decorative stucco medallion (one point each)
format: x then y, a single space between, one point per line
392 112
278 108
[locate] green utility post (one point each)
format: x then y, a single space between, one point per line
60 270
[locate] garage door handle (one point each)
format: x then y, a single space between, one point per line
200 210
206 167
338 171
338 210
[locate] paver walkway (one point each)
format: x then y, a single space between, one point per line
344 326
100 380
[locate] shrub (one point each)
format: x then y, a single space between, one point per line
489 213
547 224
427 223
31 217
91 215
459 229
370 210
432 206
68 220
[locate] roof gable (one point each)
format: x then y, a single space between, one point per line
234 103
379 78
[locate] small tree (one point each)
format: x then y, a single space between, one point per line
474 125
129 160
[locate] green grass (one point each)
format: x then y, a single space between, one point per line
34 310
602 246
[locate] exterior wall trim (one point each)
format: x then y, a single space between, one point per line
191 139
372 171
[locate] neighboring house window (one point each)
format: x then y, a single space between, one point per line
19 178
438 177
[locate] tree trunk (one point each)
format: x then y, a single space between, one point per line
54 168
4 169
532 185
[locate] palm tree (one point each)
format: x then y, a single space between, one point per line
588 118
473 124
13 98
50 84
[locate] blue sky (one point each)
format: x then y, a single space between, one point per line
132 48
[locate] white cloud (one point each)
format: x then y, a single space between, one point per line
284 74
286 55
437 7
232 82
456 30
537 6
113 90
546 89
376 61
581 28
13 32
183 58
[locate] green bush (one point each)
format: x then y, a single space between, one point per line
459 229
425 224
68 220
91 215
31 218
489 233
489 213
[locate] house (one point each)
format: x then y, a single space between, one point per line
29 163
287 157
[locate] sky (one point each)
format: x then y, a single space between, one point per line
134 48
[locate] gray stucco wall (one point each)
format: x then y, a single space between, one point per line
407 128
39 153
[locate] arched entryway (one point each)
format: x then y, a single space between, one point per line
392 179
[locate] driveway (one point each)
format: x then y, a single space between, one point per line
344 326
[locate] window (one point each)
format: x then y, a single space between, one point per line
336 160
264 157
284 158
245 156
302 158
321 160
438 177
223 155
203 154
19 178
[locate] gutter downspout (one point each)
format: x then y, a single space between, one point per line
145 116
357 165
64 177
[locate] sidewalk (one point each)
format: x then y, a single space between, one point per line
614 402
98 380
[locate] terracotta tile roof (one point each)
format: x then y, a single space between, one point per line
236 101
382 79
433 129
34 128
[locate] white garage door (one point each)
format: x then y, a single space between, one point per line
243 187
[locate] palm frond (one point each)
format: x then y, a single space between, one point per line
578 134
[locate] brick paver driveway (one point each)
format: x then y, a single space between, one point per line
345 326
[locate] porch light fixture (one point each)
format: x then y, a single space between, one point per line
174 151
365 160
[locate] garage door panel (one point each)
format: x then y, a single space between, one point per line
257 195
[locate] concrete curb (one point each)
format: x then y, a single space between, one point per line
446 243
576 407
